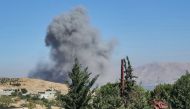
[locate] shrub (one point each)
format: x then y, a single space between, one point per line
138 99
5 101
24 90
162 92
31 105
107 97
181 93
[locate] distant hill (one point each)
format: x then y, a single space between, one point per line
149 75
36 85
154 73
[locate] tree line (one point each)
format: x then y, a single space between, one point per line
82 95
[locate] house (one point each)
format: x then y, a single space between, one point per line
8 92
48 94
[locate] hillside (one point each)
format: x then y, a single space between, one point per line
155 73
36 85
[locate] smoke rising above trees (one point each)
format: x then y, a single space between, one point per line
69 36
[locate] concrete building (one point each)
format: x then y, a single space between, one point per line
48 94
8 92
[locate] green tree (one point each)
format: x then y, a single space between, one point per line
138 99
162 92
134 96
181 93
129 81
107 97
80 92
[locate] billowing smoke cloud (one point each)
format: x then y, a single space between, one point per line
70 35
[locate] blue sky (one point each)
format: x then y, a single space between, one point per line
146 30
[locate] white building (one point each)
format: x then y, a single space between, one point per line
48 94
7 92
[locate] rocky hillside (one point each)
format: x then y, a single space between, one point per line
155 73
35 85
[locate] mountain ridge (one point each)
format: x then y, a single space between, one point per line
155 73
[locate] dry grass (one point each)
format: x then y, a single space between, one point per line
37 85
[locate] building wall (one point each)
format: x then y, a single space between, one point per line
7 92
48 95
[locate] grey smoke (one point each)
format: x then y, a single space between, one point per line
71 35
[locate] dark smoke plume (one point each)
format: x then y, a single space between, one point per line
70 35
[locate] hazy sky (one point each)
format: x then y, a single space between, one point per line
146 30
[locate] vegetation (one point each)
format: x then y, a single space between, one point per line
177 96
108 97
138 99
24 90
180 94
82 95
31 105
5 101
129 88
9 80
80 92
162 92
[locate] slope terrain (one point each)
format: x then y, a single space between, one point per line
36 85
